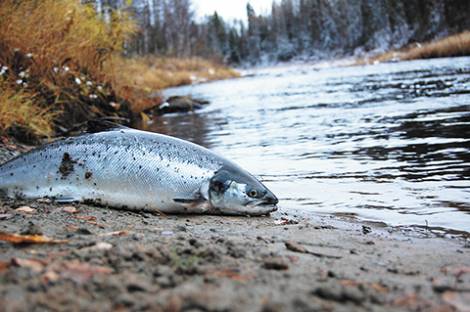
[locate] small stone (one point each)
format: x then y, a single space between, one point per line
31 229
195 243
83 231
44 200
102 246
275 264
6 216
136 286
181 228
293 246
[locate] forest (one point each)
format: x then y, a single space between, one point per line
302 29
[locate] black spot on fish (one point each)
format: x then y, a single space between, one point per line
88 175
66 166
12 174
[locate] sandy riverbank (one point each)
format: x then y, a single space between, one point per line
122 260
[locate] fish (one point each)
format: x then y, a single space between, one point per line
136 170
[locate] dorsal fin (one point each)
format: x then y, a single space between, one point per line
102 125
95 126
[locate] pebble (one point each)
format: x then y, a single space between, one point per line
31 229
6 216
83 231
168 233
295 247
102 246
275 264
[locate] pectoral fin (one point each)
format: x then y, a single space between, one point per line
196 203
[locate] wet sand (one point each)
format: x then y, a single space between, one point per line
119 260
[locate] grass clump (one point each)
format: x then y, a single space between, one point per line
52 56
17 108
455 45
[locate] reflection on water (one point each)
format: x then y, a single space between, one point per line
389 142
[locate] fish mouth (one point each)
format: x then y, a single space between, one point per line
265 205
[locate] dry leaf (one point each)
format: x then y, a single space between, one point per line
71 228
231 274
86 218
116 233
81 272
406 300
50 276
35 265
459 300
25 209
378 288
70 209
90 220
456 270
4 266
293 259
349 283
28 239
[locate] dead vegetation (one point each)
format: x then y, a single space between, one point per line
137 78
61 64
51 58
455 45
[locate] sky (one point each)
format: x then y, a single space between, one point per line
229 9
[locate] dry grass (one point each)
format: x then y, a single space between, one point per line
136 78
18 108
57 54
45 46
60 33
455 45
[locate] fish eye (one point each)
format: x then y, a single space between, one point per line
252 193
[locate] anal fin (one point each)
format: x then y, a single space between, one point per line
198 203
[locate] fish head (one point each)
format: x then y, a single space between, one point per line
232 191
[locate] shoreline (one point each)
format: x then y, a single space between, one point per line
115 259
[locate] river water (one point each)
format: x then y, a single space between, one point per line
388 142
